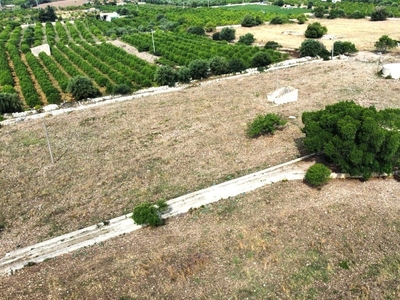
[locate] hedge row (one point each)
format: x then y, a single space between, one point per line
52 94
62 32
84 32
27 87
140 79
73 32
55 71
101 64
90 70
50 33
68 67
38 35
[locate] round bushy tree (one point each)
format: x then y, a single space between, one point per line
196 30
198 69
340 47
315 31
82 87
219 65
272 45
250 21
9 103
317 175
246 39
379 14
260 59
236 65
227 34
183 74
313 48
264 124
122 89
165 75
384 43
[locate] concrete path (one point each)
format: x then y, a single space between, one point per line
12 261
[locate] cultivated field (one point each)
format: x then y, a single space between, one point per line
363 33
283 241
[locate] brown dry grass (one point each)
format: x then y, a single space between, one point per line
285 241
111 157
363 33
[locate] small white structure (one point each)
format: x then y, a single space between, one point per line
284 95
109 16
42 48
392 70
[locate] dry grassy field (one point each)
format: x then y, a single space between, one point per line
285 241
363 33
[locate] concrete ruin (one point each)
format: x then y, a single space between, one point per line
284 95
391 70
42 48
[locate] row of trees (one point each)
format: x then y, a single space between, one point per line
52 94
61 78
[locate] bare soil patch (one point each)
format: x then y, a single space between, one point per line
363 33
132 50
110 158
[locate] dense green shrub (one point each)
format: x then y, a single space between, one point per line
216 36
384 43
250 21
260 59
246 39
149 214
219 65
340 47
82 87
9 103
356 15
301 19
227 34
199 69
313 48
196 30
315 31
278 20
236 65
319 12
122 89
165 75
264 124
272 45
356 139
183 75
8 89
379 14
317 175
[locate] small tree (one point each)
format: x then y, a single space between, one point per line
313 48
227 34
165 75
264 124
260 59
236 65
196 30
315 31
9 103
301 19
250 21
82 87
384 43
272 45
122 89
246 39
317 175
149 214
219 65
183 74
278 20
340 47
319 12
379 14
47 15
198 69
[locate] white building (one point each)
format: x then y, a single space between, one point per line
109 16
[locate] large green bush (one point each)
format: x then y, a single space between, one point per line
219 65
317 175
356 139
149 214
384 43
246 39
340 47
264 124
199 69
379 14
227 34
9 103
315 31
82 87
165 75
250 21
313 48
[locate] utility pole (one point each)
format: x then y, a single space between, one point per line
48 141
152 39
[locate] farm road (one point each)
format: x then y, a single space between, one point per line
15 260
